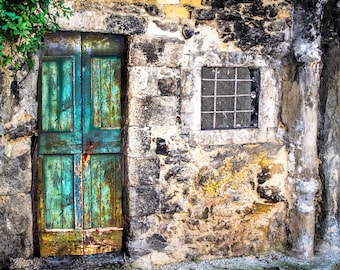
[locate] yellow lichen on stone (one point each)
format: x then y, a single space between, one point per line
271 2
192 3
283 14
263 161
262 208
168 2
176 12
136 1
229 178
212 188
233 176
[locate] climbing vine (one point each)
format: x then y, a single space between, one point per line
23 24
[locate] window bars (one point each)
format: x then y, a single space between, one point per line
229 97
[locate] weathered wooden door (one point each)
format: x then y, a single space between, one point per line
80 161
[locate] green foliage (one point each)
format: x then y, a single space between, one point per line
23 24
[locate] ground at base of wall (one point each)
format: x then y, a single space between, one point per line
275 261
115 260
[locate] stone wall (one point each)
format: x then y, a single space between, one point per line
18 114
196 194
192 193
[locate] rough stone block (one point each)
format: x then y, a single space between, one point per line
153 10
137 248
169 86
139 142
153 111
165 28
139 226
142 81
143 200
125 25
157 242
15 167
153 81
143 171
176 12
204 14
155 52
15 226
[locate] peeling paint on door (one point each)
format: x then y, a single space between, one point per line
80 160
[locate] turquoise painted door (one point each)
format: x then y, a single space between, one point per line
80 160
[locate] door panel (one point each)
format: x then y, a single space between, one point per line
105 78
59 206
57 94
80 161
102 198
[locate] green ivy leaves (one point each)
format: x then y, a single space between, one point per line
23 24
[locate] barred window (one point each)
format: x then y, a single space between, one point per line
229 97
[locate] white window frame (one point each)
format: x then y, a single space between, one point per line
268 106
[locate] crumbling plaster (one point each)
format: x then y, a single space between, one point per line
193 194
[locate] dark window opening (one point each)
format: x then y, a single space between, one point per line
229 97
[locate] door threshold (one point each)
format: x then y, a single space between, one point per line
95 261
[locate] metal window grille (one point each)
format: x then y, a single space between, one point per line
229 97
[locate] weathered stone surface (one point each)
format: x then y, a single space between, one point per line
153 10
161 147
204 14
187 31
147 202
139 142
15 167
18 110
329 130
155 52
153 111
157 242
16 226
169 86
20 126
250 25
125 25
222 189
143 171
153 81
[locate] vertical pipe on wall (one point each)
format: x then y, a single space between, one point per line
303 152
303 130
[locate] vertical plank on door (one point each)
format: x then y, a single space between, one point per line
87 194
58 178
96 171
53 199
118 191
108 191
